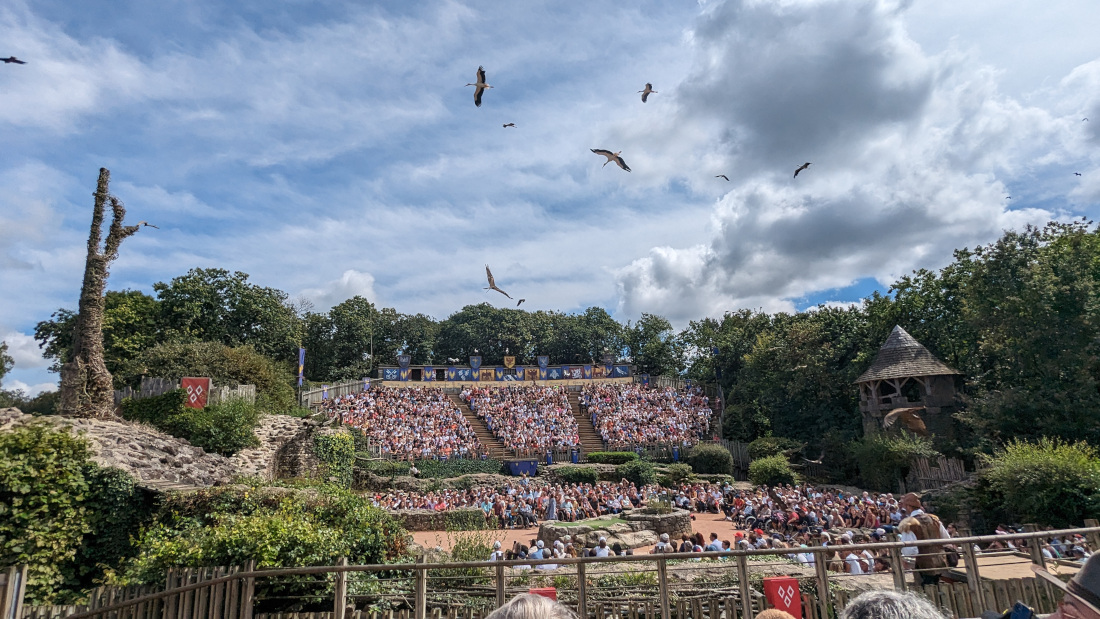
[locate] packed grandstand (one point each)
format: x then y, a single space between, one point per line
423 423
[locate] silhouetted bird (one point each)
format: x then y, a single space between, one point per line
648 91
520 302
722 176
479 86
11 60
800 168
145 223
1077 174
493 283
611 157
512 125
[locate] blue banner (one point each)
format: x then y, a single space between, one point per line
586 371
452 374
609 370
324 392
620 371
554 374
459 374
544 360
429 373
391 374
475 362
301 365
544 374
499 373
403 374
403 361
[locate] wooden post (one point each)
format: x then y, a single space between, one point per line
897 567
662 586
1033 547
974 579
1094 537
248 590
582 592
823 598
501 583
421 589
743 581
15 584
340 601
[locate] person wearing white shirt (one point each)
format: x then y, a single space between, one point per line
602 550
498 554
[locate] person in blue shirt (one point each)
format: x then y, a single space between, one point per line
714 545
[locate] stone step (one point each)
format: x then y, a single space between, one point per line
497 449
590 439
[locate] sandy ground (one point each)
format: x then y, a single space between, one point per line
704 523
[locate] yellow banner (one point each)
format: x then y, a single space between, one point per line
509 362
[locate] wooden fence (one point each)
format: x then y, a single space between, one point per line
924 475
13 581
470 590
152 387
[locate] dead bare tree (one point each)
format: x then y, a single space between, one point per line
86 389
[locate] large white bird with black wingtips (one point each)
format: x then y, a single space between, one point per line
648 91
611 157
493 283
479 86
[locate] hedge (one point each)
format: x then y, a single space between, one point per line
337 455
612 457
639 472
771 471
771 446
1048 482
224 428
443 469
578 475
710 459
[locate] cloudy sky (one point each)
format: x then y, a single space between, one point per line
330 148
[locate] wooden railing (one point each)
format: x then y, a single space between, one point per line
597 587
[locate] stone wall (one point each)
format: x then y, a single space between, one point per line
639 529
282 438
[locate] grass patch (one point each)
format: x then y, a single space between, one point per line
598 523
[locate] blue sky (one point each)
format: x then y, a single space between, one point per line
331 149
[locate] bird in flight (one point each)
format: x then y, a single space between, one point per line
512 125
1077 174
648 90
722 176
493 283
800 168
818 461
520 302
145 223
611 157
479 86
12 59
909 418
1084 120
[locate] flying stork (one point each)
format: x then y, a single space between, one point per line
648 90
800 168
493 283
479 86
611 157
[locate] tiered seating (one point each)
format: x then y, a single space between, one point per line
525 418
632 414
420 422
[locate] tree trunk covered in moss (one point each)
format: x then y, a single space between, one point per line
86 389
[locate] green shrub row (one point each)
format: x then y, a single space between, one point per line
578 475
612 457
710 459
771 471
771 446
224 428
336 452
639 472
455 468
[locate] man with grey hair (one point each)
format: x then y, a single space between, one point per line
531 606
884 604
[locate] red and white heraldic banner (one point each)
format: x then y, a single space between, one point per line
782 592
197 390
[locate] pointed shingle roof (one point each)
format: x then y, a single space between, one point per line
901 357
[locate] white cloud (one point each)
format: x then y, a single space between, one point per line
351 283
29 390
24 350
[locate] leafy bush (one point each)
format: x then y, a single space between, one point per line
385 468
336 452
771 471
710 459
676 474
276 527
116 508
771 446
639 472
578 475
42 514
1049 482
884 460
224 428
464 520
612 457
454 468
155 409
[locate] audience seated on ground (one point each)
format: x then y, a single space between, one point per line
526 418
408 422
633 414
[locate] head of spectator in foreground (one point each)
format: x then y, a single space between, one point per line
1082 593
531 606
884 604
774 613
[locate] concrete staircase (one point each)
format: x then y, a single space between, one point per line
497 450
590 439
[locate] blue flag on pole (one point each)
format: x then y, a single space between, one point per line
301 365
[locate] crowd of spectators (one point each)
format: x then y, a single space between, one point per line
408 422
633 414
525 418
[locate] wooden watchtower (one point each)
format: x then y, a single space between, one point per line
905 374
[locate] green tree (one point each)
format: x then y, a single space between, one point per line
6 361
653 346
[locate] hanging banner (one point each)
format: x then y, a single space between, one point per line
487 374
403 361
403 374
541 373
609 370
555 374
324 392
429 373
782 593
301 365
535 374
197 390
544 360
510 362
451 373
391 374
463 374
620 371
498 373
475 363
599 371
